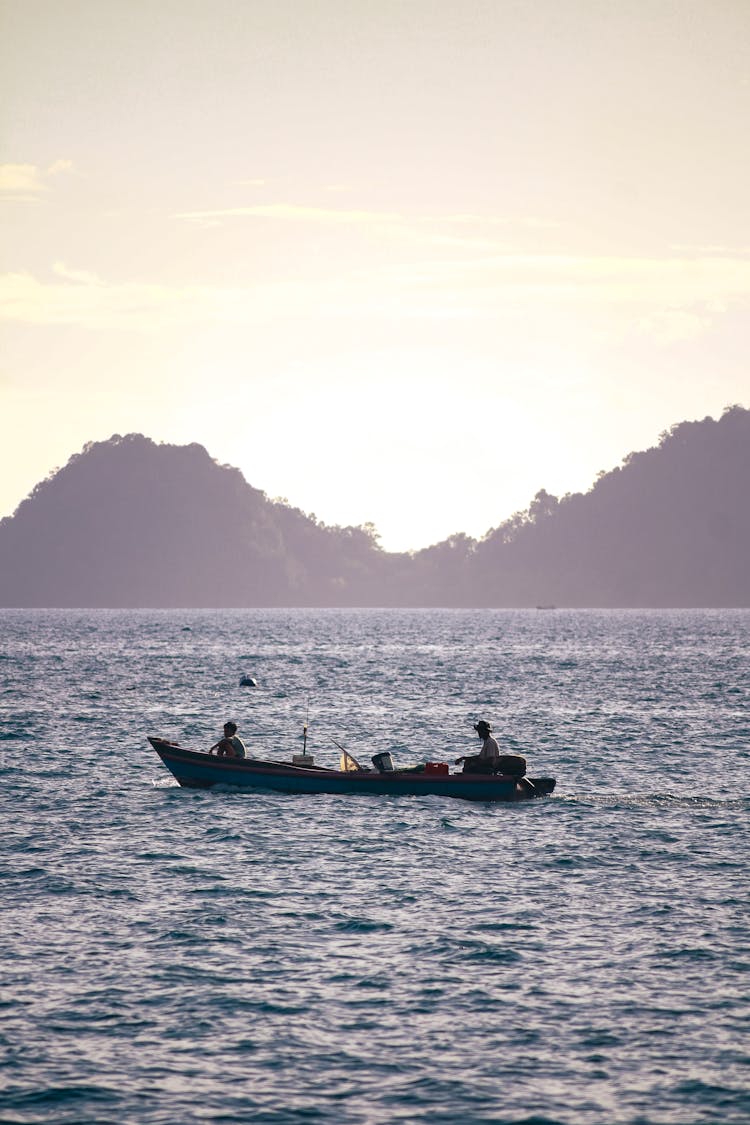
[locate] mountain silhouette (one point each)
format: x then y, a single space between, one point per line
669 528
129 522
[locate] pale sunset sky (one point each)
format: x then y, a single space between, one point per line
401 262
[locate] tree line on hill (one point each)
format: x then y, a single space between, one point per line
132 523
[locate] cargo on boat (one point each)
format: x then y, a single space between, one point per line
195 769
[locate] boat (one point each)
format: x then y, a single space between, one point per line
196 769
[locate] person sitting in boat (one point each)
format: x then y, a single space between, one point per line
231 745
486 760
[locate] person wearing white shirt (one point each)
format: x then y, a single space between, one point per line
231 745
486 760
490 750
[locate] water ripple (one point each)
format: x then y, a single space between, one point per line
178 956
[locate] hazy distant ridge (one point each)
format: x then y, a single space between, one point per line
128 522
671 527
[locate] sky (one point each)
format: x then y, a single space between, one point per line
399 262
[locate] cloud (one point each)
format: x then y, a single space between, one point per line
289 212
81 277
60 166
337 216
21 181
712 251
668 299
608 279
81 298
27 182
471 232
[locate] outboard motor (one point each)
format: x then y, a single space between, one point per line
383 762
514 765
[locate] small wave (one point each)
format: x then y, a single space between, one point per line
164 856
361 926
484 952
694 954
180 937
506 927
59 1096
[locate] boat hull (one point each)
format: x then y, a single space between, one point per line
197 770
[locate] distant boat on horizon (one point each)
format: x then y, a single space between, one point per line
546 607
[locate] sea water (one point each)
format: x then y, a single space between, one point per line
176 956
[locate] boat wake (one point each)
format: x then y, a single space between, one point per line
652 800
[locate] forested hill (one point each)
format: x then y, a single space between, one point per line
671 527
129 522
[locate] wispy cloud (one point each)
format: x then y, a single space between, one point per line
712 250
666 299
455 230
28 182
337 216
80 298
606 277
80 277
290 212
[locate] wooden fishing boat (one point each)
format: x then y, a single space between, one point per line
198 770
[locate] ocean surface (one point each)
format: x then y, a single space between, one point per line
173 956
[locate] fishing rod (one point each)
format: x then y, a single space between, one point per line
303 759
304 726
346 754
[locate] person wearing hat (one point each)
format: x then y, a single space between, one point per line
490 750
486 759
